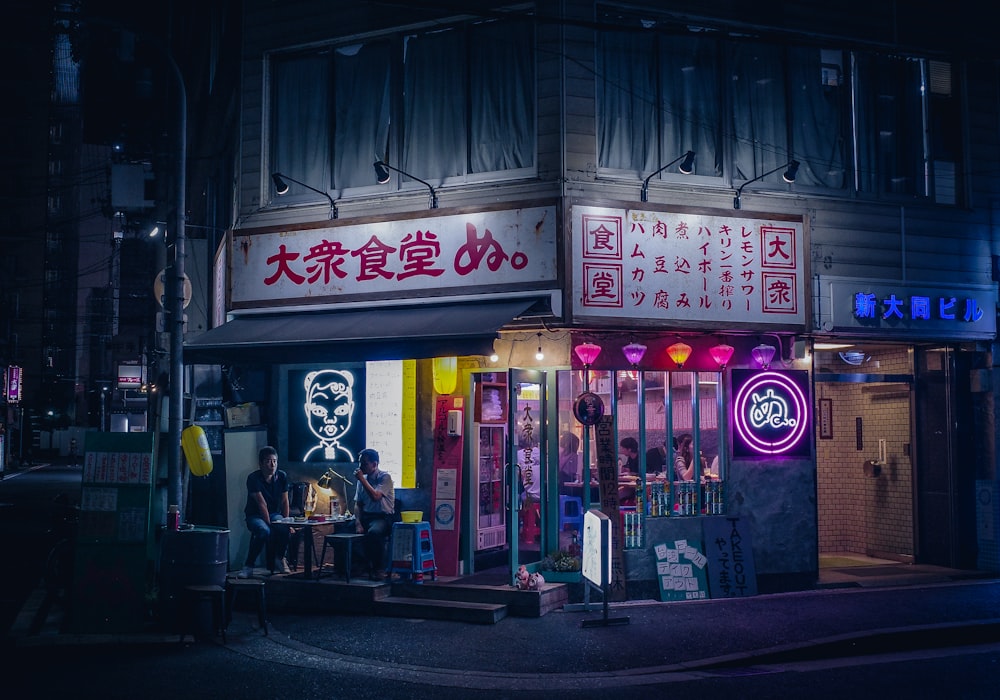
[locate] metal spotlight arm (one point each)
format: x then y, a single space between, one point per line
791 168
281 187
382 177
686 168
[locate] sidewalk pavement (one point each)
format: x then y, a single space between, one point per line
647 641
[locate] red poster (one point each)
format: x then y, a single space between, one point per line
449 423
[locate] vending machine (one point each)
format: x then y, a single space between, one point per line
491 514
489 453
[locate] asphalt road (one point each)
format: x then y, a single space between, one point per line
940 641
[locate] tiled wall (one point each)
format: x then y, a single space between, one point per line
857 512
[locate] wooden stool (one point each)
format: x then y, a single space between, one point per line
234 586
192 598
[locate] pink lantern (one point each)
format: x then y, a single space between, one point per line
587 352
721 354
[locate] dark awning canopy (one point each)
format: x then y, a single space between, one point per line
404 332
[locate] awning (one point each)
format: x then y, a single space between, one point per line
403 332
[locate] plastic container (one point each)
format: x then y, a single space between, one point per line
412 516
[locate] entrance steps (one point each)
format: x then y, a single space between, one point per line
432 609
433 599
518 603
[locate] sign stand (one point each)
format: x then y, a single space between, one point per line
597 563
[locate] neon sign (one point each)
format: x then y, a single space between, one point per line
331 410
771 414
13 384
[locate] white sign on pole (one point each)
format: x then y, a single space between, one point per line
596 547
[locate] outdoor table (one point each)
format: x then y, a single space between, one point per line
309 525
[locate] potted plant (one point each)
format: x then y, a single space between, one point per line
561 566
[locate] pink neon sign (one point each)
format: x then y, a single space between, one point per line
13 384
771 413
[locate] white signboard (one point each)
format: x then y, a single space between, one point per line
663 266
384 419
403 257
596 564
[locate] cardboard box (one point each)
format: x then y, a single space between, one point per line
242 415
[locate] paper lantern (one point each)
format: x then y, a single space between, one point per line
634 353
763 354
196 450
587 352
721 354
679 353
445 373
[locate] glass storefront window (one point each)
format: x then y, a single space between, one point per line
662 421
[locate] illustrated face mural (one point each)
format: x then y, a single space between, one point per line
329 408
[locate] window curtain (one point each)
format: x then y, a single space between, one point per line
361 107
691 96
434 134
502 97
819 117
300 122
759 129
627 124
890 101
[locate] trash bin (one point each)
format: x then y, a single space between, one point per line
198 556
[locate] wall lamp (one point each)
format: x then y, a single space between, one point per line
791 170
685 168
281 187
382 176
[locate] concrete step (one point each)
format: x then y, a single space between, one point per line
518 603
430 609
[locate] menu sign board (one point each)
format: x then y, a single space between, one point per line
680 571
114 545
731 570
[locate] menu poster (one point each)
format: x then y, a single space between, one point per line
680 570
114 548
731 569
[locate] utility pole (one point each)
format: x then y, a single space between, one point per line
174 285
175 307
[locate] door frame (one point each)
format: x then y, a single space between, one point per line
516 377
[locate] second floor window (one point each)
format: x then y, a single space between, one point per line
857 122
448 106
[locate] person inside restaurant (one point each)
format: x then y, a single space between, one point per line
656 459
569 460
629 460
684 462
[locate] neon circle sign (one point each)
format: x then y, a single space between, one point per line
771 414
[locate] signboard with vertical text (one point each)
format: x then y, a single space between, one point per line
670 266
728 546
607 474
